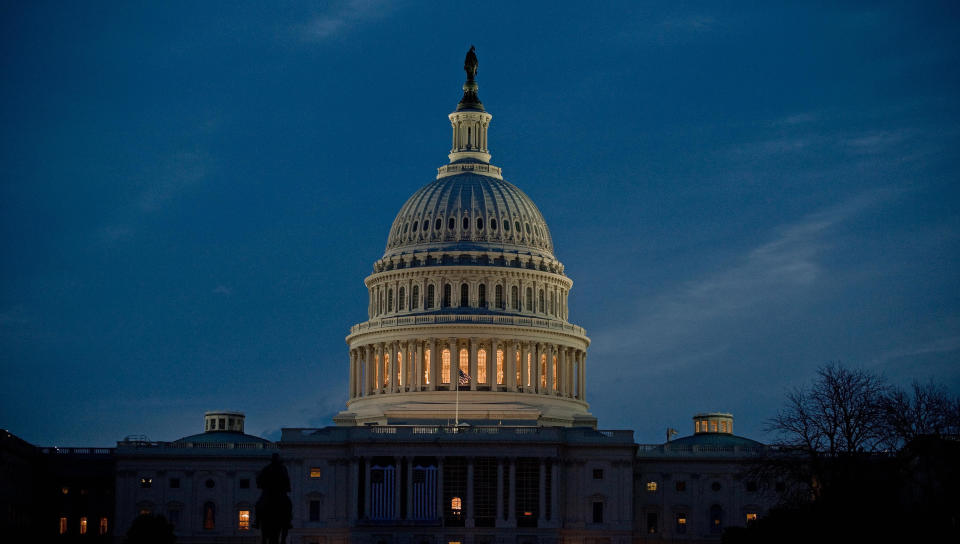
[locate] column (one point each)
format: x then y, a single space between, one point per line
392 377
510 364
353 375
550 372
408 489
469 521
473 364
434 364
583 375
542 514
454 365
397 467
499 501
562 368
555 492
537 349
440 490
366 488
353 486
367 378
492 365
512 496
381 351
418 367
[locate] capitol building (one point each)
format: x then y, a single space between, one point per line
467 419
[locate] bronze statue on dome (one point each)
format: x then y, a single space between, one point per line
470 63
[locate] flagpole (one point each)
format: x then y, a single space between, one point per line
456 417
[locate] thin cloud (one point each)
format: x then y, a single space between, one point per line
340 18
785 267
222 290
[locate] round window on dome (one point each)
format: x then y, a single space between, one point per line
516 225
493 224
405 227
466 223
479 223
451 224
438 224
528 227
506 226
415 225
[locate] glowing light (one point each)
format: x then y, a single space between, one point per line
243 520
315 472
651 486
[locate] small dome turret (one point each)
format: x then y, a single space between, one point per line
713 422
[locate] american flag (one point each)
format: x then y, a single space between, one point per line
464 378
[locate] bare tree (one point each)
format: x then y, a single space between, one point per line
841 412
926 410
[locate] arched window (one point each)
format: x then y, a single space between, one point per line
482 366
517 225
209 516
519 367
498 297
451 223
529 307
464 365
493 224
543 371
500 367
482 295
445 366
399 366
438 224
716 519
540 297
426 366
389 300
386 369
479 223
553 303
506 226
514 298
527 225
466 223
415 225
430 296
446 295
415 298
464 294
555 373
401 299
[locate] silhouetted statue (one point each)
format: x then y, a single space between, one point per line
470 64
274 510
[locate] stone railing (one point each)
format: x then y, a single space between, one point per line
415 433
198 445
679 450
77 451
517 321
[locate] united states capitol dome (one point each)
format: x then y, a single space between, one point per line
470 212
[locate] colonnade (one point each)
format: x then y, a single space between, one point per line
475 364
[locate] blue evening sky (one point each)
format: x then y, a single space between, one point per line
192 194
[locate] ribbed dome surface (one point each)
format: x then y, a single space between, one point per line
470 212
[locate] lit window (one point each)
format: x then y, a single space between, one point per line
681 522
464 362
482 365
543 371
145 511
555 373
500 367
103 526
713 426
751 517
315 472
696 426
63 525
519 377
209 516
386 369
146 482
426 367
456 504
243 520
723 426
529 369
65 490
651 486
716 518
445 366
83 525
400 368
